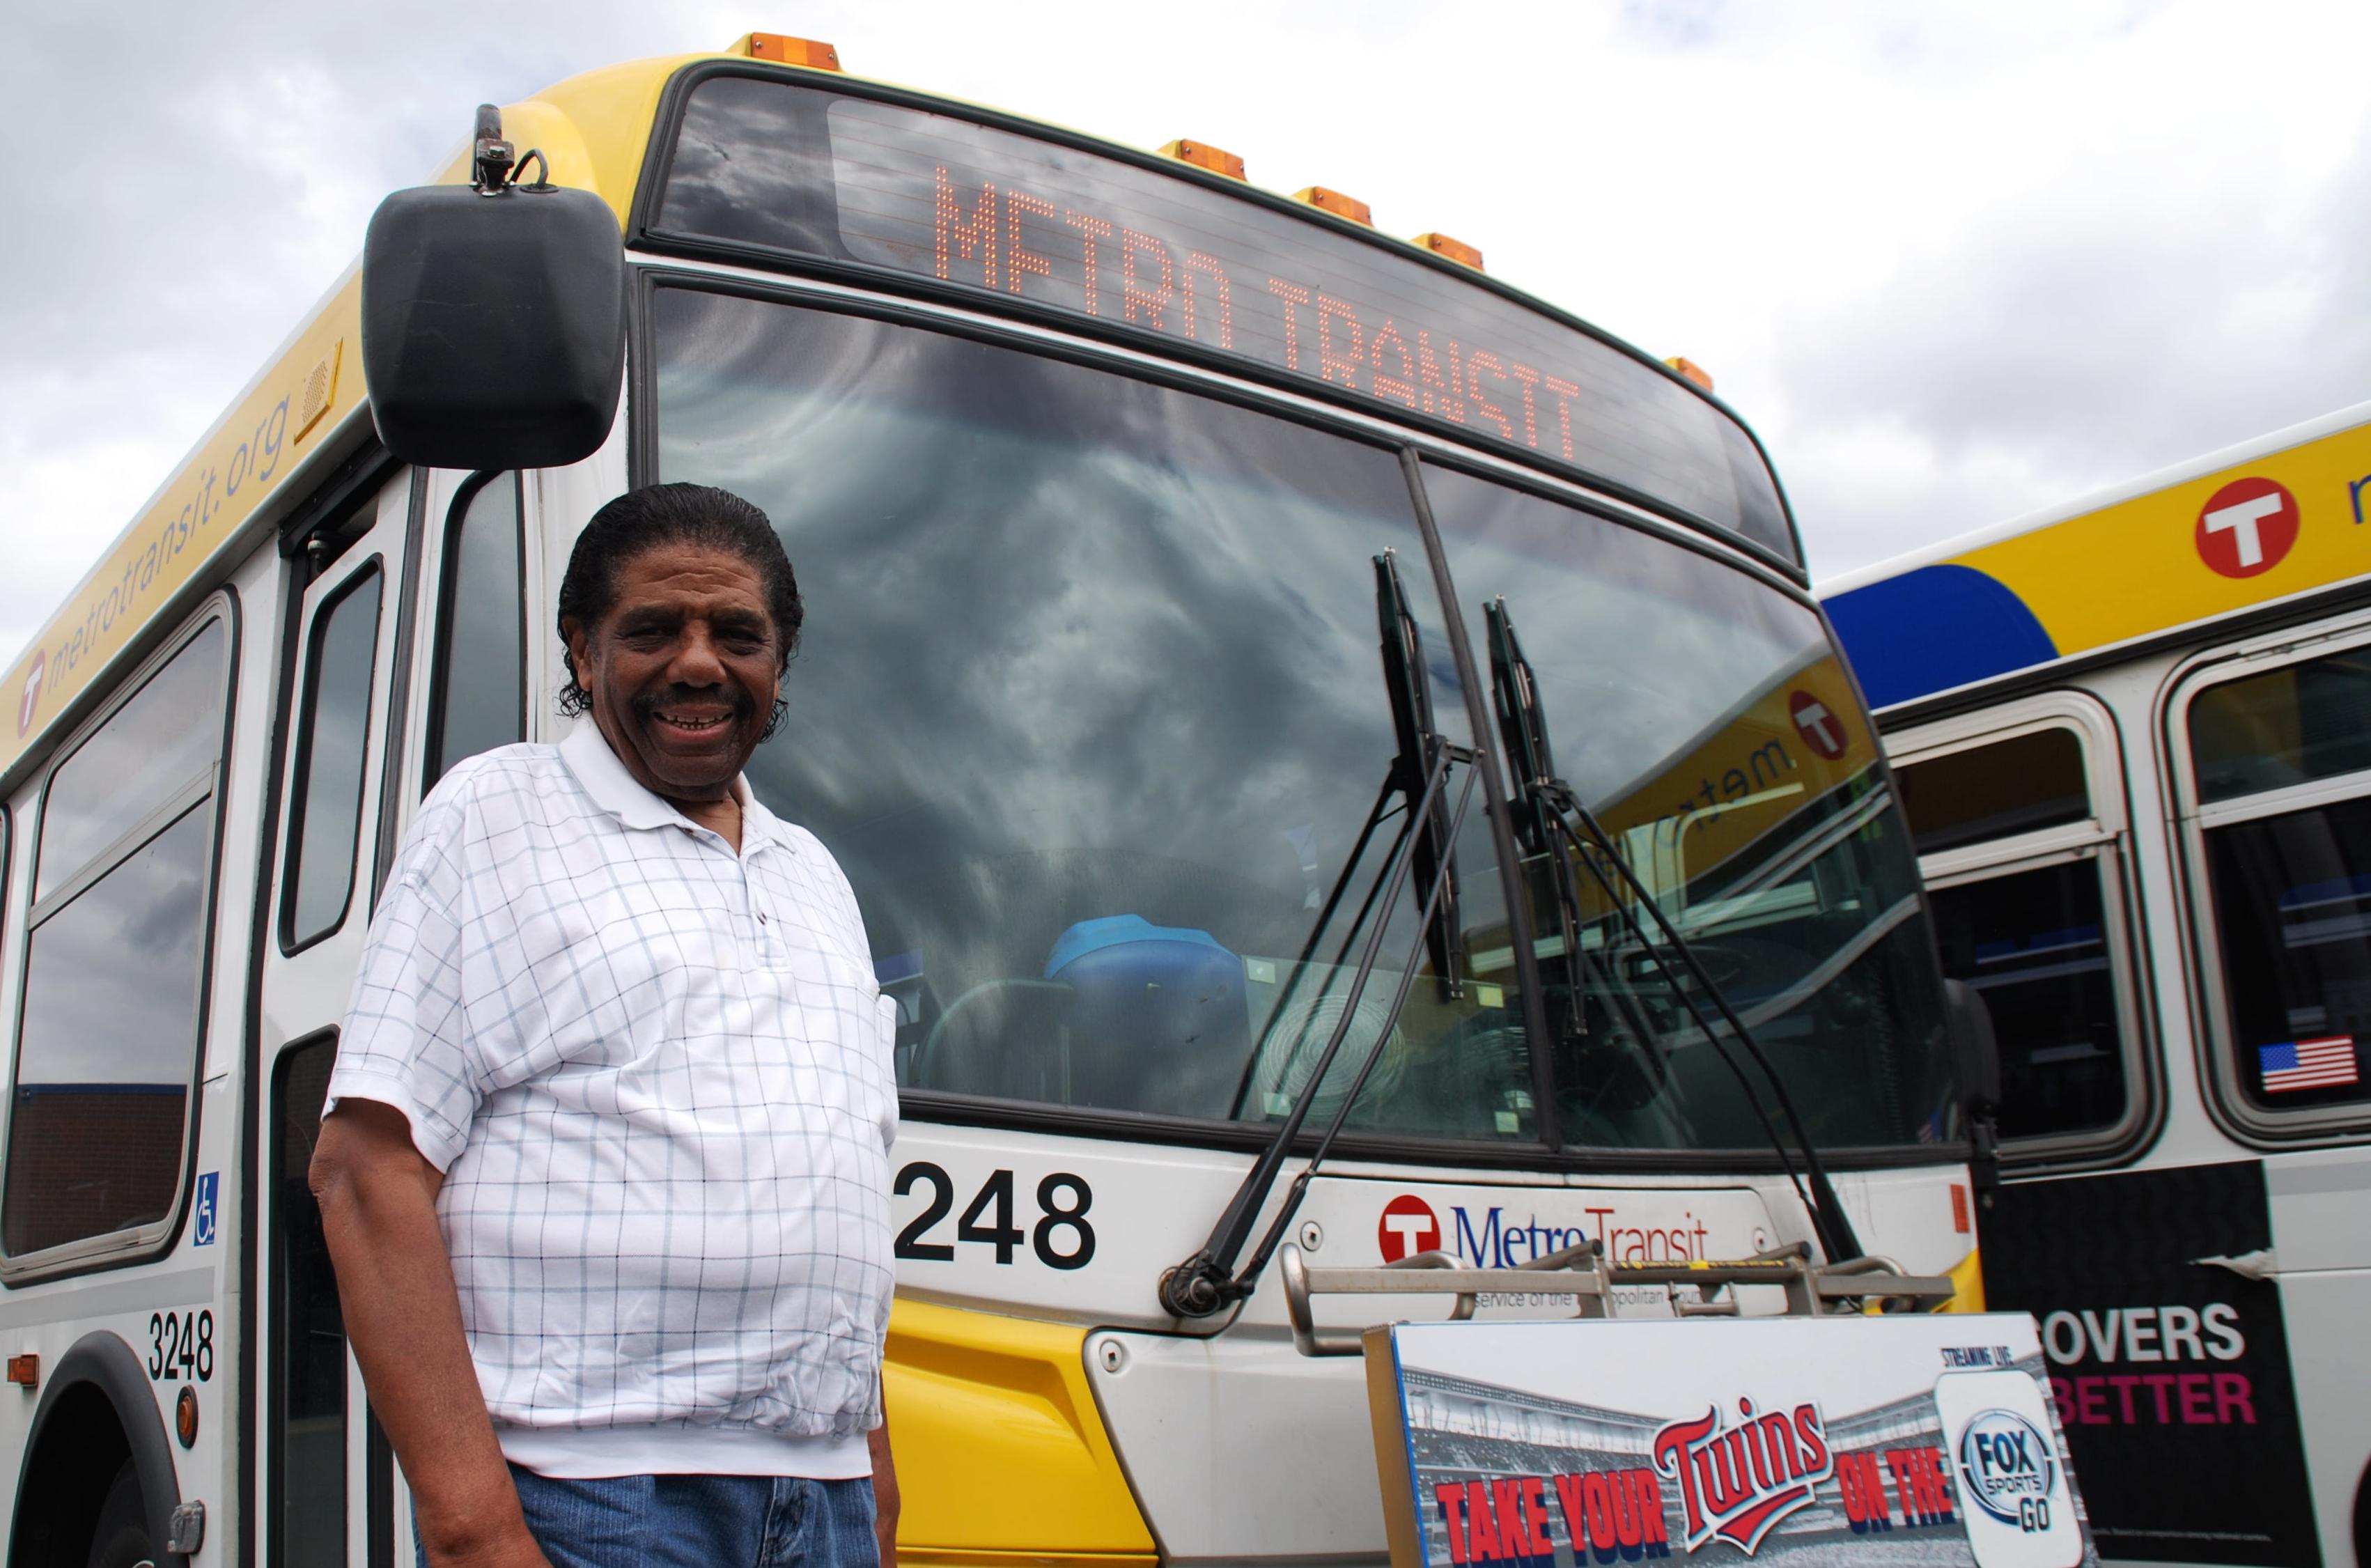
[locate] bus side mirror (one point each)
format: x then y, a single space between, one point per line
493 329
1975 1053
1975 1059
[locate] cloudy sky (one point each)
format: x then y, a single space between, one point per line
1954 260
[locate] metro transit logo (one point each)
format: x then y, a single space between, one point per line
31 700
1821 730
1407 1227
1497 1237
2246 528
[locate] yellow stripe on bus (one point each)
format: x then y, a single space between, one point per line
2147 548
1791 743
240 463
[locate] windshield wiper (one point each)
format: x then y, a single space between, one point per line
1208 1282
1546 826
1415 747
1419 747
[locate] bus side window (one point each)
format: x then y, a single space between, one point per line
478 700
309 1412
2018 785
2034 944
2020 878
325 810
114 962
2281 770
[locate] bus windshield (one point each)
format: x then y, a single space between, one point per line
1088 705
1706 721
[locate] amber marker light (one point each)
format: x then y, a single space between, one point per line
1691 370
783 49
1457 250
185 1417
1202 154
25 1371
1334 202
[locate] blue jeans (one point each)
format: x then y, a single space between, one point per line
701 1521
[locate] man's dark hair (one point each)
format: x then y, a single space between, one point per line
659 515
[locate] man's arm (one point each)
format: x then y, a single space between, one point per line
885 1502
403 1319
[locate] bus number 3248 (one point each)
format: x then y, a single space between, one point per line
181 1345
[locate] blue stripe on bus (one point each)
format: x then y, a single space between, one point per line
1933 629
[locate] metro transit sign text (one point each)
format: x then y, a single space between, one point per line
1494 1239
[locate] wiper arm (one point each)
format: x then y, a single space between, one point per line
1415 747
1419 745
1550 801
1522 730
1208 1282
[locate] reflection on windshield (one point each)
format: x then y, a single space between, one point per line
1708 724
1088 705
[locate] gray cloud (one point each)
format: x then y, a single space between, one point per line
2072 338
1954 262
187 183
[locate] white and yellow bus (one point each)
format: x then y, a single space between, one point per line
2132 737
1106 473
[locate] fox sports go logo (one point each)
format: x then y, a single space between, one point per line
2006 1467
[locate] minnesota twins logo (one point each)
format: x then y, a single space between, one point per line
1739 1476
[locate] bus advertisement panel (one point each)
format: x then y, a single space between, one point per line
1874 1440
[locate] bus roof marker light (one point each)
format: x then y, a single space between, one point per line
1456 251
1691 370
1202 154
783 49
1334 202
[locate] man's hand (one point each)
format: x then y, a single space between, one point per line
403 1319
884 1493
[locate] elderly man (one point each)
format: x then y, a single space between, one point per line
605 1170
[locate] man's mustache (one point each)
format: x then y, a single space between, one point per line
647 705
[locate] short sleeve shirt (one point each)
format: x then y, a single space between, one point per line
658 1077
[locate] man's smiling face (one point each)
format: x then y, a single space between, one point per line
684 668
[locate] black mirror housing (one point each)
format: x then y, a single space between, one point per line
493 330
1975 1053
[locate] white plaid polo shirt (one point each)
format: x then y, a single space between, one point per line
657 1077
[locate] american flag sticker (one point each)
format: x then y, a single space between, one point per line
2308 1063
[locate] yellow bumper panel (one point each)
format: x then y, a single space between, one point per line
1968 1285
1001 1454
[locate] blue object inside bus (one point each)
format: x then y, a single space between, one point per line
1150 996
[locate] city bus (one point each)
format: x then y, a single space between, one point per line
1179 557
2131 738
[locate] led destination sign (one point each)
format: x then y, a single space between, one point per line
811 172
